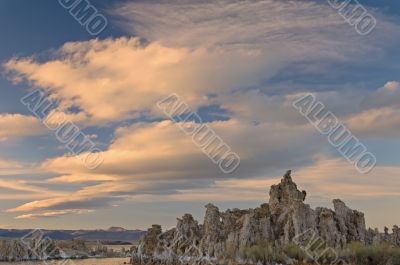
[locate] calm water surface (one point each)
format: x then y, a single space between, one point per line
110 261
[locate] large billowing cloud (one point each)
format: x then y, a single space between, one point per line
213 47
111 80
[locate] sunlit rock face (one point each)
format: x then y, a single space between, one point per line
281 221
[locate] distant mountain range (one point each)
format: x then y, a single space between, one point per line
109 235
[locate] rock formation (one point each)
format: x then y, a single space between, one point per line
224 235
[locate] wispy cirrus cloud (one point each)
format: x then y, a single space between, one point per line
254 25
52 214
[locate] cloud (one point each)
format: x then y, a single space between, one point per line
386 96
298 27
134 75
378 115
78 200
52 214
17 125
15 181
324 180
160 150
391 86
9 164
76 178
11 167
381 123
229 190
17 185
192 49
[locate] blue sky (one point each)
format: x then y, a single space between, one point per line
239 66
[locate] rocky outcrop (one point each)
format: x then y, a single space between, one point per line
351 222
284 219
374 237
150 241
289 215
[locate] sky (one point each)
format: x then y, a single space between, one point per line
238 65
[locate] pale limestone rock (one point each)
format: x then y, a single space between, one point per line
290 216
327 228
211 243
149 241
395 237
351 222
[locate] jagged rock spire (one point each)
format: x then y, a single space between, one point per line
285 193
288 176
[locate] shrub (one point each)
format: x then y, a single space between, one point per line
263 252
373 255
295 252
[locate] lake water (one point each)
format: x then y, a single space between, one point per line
109 261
